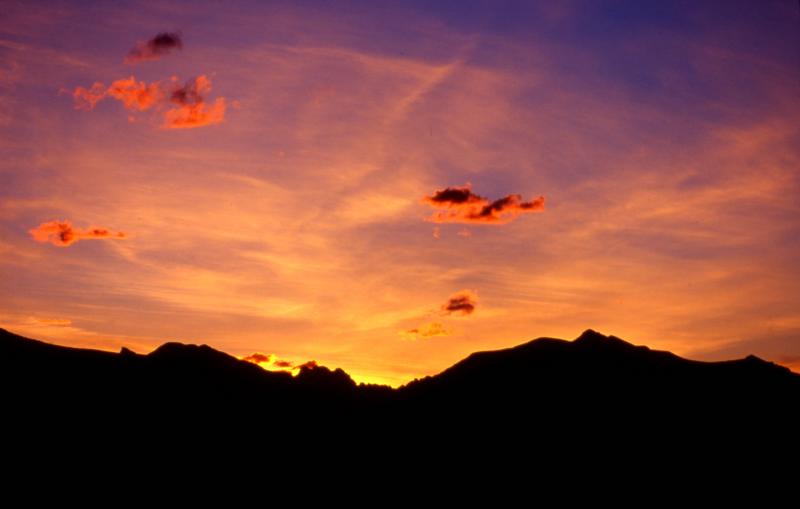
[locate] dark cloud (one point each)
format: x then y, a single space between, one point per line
461 205
160 45
462 302
308 365
455 195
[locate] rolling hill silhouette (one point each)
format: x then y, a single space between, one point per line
547 385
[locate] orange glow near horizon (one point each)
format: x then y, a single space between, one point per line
388 197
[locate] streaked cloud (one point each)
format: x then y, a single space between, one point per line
427 330
57 322
63 234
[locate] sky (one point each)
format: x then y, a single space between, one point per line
387 187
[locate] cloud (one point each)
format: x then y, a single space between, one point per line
461 205
187 105
85 99
192 110
307 365
426 331
269 362
160 45
258 358
136 95
462 302
62 234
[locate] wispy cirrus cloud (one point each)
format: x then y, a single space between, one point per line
461 205
63 234
162 44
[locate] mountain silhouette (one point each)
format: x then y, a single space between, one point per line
593 386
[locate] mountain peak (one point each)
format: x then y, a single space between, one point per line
590 335
592 338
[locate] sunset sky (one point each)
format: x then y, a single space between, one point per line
387 187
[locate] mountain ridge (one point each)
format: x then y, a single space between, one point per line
541 394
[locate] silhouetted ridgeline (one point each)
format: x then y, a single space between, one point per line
596 382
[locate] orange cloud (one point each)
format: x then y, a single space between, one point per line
160 45
461 205
136 95
269 361
462 302
426 331
85 99
258 358
189 109
62 234
193 110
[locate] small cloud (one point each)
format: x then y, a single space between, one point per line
461 205
463 232
258 358
192 110
426 331
463 302
136 95
437 233
62 233
270 362
86 98
307 365
160 45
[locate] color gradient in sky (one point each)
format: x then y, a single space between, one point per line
387 187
